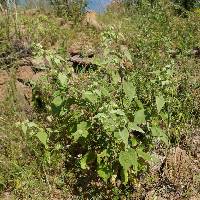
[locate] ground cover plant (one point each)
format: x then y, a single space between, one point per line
102 114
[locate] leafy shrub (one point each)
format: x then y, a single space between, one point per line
112 120
105 123
72 9
187 4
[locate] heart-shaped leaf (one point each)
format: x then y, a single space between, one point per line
42 136
129 158
62 79
139 117
160 102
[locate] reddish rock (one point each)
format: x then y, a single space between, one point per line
75 49
3 92
38 75
23 92
4 78
25 73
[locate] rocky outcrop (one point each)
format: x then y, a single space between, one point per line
90 20
81 56
16 86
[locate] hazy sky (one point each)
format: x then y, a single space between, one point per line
96 5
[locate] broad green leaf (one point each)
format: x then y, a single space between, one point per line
129 158
160 102
109 125
32 124
104 91
47 156
42 136
124 134
158 132
164 116
62 79
129 90
101 156
90 96
133 126
56 93
143 154
98 92
139 117
83 162
117 135
139 103
128 55
118 112
104 172
124 176
82 131
24 128
57 101
56 60
115 77
86 160
82 126
134 142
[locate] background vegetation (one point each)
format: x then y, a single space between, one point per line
115 114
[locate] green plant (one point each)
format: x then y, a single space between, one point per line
113 125
115 117
72 9
101 125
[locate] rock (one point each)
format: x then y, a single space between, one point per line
40 63
89 52
83 46
75 49
155 166
38 75
195 144
24 97
90 20
63 23
179 168
25 73
24 92
77 59
196 52
79 63
81 54
3 92
4 78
